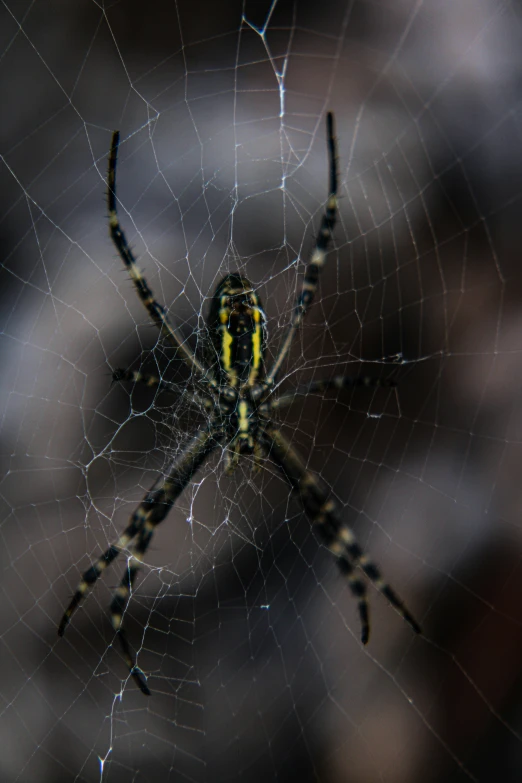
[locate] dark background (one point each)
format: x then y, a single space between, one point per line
246 630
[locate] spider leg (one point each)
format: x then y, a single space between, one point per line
97 568
153 382
156 311
318 257
135 376
324 513
339 382
152 510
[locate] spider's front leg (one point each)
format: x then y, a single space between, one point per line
156 311
152 510
338 537
318 257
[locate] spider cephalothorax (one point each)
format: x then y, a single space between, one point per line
235 391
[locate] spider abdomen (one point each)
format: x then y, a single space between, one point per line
236 324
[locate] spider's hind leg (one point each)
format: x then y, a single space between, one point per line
153 509
345 540
325 514
150 513
346 565
119 603
91 576
361 560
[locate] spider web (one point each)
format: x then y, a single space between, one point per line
247 632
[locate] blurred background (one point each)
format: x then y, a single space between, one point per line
246 631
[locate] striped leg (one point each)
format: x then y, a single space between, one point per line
153 382
96 570
152 510
123 591
314 266
338 537
156 311
339 382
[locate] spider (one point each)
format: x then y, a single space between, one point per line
238 392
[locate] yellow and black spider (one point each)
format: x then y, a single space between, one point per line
239 395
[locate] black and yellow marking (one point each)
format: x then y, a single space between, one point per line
236 329
152 510
95 571
239 403
156 311
324 513
318 256
160 385
135 376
